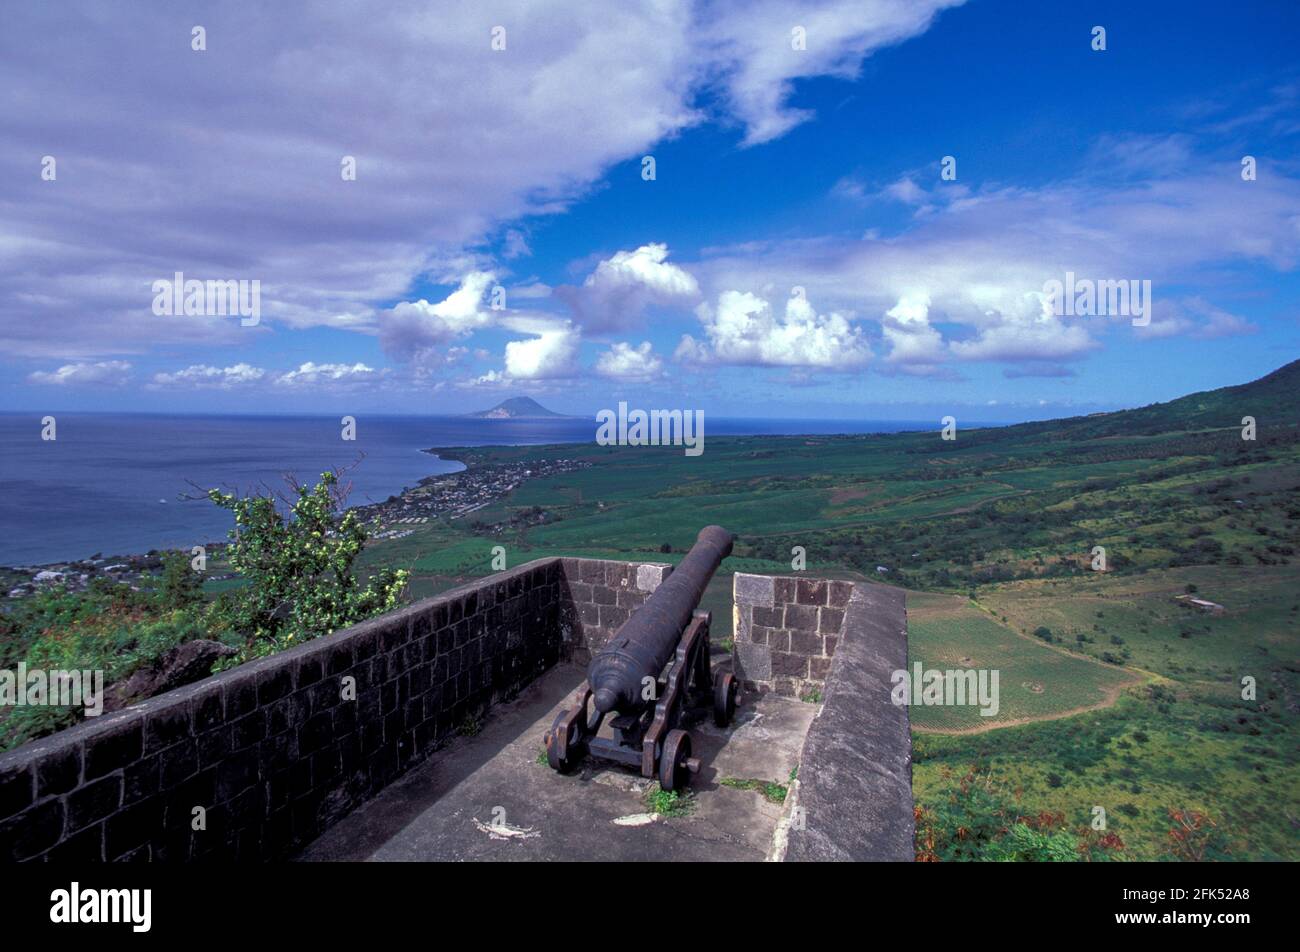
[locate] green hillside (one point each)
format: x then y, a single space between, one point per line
1116 695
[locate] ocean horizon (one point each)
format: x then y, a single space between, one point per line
112 484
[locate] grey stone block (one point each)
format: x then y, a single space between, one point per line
753 662
811 591
832 620
754 589
806 643
802 617
612 617
789 665
650 575
784 590
839 594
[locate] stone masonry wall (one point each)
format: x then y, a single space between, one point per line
786 631
274 752
601 597
853 791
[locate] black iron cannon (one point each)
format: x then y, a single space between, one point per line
651 672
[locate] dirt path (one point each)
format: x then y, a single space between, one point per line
1112 695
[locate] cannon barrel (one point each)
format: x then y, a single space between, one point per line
643 645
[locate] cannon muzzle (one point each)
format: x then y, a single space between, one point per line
642 646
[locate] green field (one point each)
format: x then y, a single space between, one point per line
1036 682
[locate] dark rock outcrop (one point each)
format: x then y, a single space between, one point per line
182 665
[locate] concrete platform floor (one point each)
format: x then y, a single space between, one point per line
446 808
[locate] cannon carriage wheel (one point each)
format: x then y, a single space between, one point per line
554 755
724 698
674 763
571 733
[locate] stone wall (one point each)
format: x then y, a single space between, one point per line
786 631
852 797
601 596
277 750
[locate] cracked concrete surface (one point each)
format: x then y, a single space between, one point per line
487 798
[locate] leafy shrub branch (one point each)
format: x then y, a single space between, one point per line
297 569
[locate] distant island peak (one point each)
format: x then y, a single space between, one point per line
516 408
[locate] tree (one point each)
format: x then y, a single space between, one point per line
181 586
298 568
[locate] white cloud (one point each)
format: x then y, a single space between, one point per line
201 376
1141 155
550 353
691 352
1194 317
617 292
449 138
1221 323
530 290
100 373
645 267
903 189
312 374
516 245
915 345
749 44
411 329
449 143
490 379
981 258
1026 336
743 329
906 191
625 362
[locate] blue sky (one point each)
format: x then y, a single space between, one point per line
776 168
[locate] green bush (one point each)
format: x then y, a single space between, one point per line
109 627
980 820
298 570
181 586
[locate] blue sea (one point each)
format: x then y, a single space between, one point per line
112 483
